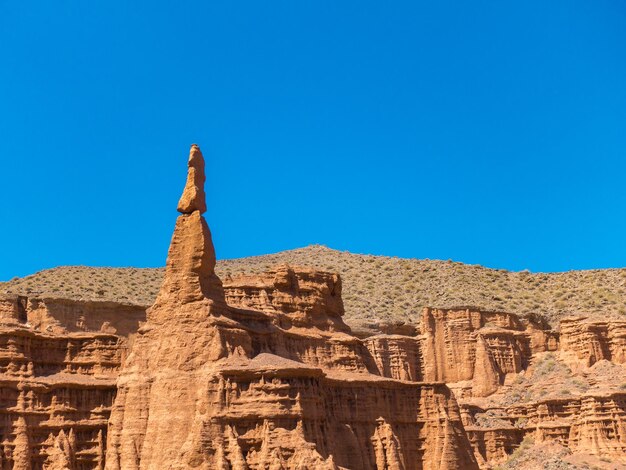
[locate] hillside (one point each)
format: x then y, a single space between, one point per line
375 288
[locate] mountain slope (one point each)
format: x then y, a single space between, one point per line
375 288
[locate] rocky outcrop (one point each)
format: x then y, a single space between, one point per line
59 361
56 394
467 344
479 353
396 356
590 424
493 445
193 198
594 424
13 309
282 386
591 341
599 427
307 297
55 315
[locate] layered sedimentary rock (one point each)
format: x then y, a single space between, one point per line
493 445
594 424
591 424
396 356
55 315
479 353
56 394
59 362
467 344
282 386
592 341
310 298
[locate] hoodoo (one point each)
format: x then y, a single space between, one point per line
193 197
160 402
212 386
190 268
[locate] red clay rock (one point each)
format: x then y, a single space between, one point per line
307 298
396 356
193 198
57 392
467 344
592 341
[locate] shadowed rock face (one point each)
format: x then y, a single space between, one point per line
467 344
592 341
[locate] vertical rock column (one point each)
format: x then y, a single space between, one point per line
158 413
190 269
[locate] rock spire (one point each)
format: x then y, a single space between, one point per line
193 198
190 268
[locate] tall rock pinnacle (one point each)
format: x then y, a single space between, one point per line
193 198
190 268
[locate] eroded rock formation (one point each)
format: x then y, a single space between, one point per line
55 315
583 412
592 341
477 349
193 198
56 393
275 382
261 372
309 298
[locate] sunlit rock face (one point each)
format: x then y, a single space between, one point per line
275 380
59 361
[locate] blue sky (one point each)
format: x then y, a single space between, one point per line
484 132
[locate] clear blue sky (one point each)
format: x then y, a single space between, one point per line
484 132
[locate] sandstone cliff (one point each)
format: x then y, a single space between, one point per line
477 349
591 341
558 396
56 389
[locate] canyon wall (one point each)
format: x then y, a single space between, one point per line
477 349
310 298
56 391
592 341
590 424
481 355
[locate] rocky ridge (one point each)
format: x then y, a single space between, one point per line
379 292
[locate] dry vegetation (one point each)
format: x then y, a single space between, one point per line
552 456
550 378
376 288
